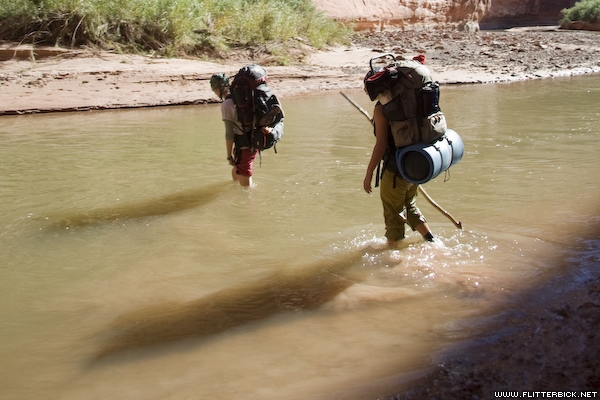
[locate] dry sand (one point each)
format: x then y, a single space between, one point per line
548 341
49 79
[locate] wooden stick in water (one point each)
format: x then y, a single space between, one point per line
456 223
355 104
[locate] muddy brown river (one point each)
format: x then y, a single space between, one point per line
131 267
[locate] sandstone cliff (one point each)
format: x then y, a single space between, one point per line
377 15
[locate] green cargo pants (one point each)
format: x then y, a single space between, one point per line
397 195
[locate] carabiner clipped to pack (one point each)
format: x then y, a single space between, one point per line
379 57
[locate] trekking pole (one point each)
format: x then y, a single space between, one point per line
355 104
435 205
456 223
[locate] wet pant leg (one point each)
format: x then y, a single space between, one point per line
392 200
413 214
396 195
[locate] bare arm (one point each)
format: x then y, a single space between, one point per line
381 135
229 136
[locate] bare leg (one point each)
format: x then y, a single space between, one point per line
244 180
234 174
424 230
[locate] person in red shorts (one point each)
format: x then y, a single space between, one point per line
240 155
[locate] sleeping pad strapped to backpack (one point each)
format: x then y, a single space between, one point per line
256 107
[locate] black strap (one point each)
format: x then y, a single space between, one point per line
419 98
388 160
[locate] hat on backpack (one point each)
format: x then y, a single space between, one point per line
369 75
219 83
376 81
371 72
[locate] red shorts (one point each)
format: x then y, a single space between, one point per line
244 164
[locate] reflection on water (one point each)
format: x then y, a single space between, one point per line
177 283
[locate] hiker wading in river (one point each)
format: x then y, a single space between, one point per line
252 115
397 194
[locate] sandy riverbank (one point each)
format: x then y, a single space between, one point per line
43 80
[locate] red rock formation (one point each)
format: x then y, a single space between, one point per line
377 15
407 14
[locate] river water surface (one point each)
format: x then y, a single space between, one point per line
131 267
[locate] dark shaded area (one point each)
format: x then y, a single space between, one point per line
71 29
286 292
34 53
531 13
416 166
140 209
548 340
519 22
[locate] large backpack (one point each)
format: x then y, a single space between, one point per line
410 101
256 107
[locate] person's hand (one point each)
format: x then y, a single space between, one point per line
266 130
231 160
367 182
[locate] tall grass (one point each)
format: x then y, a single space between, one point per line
582 11
169 27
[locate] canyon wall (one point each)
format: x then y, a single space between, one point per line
469 15
510 13
406 14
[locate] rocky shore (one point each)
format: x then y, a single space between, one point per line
496 56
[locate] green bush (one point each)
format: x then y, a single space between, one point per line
582 11
169 27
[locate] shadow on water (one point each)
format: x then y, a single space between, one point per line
139 209
286 292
